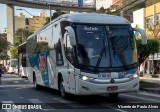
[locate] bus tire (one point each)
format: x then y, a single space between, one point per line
62 88
113 95
38 87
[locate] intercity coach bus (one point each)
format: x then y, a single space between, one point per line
22 68
85 54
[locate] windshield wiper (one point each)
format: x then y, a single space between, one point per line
101 54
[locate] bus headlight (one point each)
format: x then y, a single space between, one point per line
85 78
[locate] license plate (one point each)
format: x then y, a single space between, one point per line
112 88
104 75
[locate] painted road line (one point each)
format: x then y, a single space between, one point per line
16 82
148 99
7 105
70 103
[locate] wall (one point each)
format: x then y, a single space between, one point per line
103 3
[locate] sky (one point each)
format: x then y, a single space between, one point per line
3 15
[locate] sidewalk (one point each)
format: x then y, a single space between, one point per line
147 83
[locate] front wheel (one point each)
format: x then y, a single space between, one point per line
38 87
62 89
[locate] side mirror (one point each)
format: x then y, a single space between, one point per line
71 35
143 35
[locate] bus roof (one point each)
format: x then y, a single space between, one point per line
92 18
95 18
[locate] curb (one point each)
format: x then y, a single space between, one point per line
150 78
150 91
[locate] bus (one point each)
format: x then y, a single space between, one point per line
22 69
12 66
58 55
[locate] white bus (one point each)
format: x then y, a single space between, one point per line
22 68
85 54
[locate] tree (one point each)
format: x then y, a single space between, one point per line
101 10
153 31
14 53
21 36
4 44
144 51
55 15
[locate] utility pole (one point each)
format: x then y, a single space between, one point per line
22 37
50 12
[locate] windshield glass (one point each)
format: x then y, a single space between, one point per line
14 63
122 46
105 46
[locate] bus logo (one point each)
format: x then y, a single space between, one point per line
42 63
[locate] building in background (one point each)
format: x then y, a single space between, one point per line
32 23
89 3
103 3
117 2
20 21
138 18
37 22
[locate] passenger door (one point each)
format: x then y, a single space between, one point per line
70 60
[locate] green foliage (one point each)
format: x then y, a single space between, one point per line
3 55
154 76
4 44
117 13
21 36
144 51
101 10
14 53
55 15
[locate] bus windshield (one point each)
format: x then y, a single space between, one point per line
105 46
14 63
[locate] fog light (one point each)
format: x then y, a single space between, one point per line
85 88
135 85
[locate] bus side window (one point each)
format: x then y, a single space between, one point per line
59 58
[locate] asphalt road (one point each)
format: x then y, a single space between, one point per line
17 91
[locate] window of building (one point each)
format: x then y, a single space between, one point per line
158 19
149 21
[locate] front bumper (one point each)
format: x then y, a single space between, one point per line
92 88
